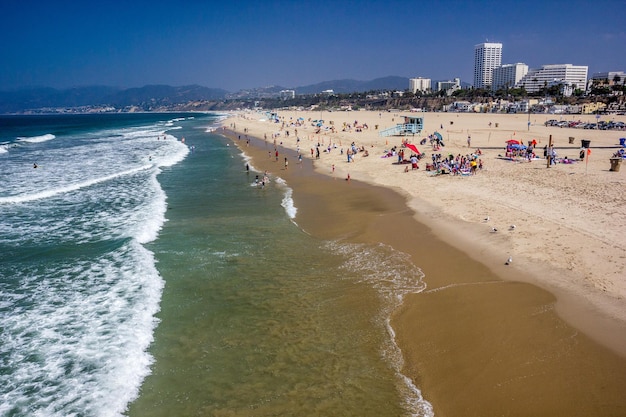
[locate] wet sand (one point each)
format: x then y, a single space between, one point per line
475 344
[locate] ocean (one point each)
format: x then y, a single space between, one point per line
144 273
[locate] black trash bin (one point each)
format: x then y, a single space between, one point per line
585 143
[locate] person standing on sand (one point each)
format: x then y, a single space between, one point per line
469 141
286 163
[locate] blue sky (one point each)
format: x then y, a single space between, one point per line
244 44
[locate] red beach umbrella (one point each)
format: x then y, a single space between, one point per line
513 142
413 148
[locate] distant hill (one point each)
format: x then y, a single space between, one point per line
38 98
164 96
354 86
42 97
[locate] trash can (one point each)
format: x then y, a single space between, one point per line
571 139
615 163
622 142
497 124
585 143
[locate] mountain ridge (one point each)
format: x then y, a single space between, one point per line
160 95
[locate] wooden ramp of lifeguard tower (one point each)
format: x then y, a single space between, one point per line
411 125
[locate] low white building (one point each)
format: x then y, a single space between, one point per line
610 78
287 94
449 86
547 75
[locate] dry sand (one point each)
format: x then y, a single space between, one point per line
569 240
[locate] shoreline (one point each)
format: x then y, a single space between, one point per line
590 291
453 232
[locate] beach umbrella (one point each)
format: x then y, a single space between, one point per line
413 148
513 142
438 135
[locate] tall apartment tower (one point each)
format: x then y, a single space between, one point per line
487 56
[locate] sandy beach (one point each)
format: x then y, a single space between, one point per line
552 318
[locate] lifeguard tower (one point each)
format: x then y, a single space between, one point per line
273 116
411 125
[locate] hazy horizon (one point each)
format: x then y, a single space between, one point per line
251 44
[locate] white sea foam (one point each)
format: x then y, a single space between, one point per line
216 124
67 170
248 162
37 139
66 189
393 275
77 328
153 216
78 335
287 202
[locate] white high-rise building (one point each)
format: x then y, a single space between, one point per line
548 75
421 84
508 75
487 56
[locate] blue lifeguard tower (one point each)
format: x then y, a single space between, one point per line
411 125
273 116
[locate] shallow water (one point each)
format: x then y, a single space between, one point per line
258 317
142 275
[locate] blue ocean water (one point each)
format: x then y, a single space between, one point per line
143 273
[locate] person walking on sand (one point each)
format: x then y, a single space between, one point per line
469 141
286 163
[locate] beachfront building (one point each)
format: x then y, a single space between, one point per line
487 56
449 86
609 78
419 84
459 106
591 108
569 76
508 76
612 80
